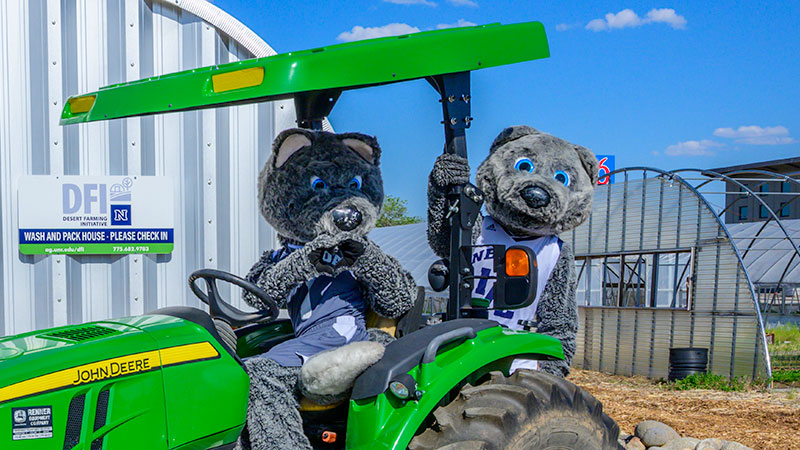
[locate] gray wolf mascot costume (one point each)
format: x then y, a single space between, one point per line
536 186
322 192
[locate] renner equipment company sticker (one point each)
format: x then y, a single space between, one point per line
71 215
34 422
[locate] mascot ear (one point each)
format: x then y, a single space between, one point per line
365 146
510 134
288 143
589 162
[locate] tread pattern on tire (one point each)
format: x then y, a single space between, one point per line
522 411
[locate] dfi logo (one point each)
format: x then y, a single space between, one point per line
74 196
120 214
332 258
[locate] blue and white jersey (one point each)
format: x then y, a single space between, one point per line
326 312
547 250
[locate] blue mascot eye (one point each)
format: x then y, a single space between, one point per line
562 177
318 183
355 183
524 165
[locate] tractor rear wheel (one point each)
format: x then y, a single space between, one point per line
527 411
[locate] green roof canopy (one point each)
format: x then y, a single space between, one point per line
339 67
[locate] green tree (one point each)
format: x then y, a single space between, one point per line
395 212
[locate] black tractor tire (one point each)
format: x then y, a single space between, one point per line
529 410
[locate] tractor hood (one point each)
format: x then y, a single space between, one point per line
143 382
78 354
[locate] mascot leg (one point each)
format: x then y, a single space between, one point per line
328 376
273 415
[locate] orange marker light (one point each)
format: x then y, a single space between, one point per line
517 263
329 437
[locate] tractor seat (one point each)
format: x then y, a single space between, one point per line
407 323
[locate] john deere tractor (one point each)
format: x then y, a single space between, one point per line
171 379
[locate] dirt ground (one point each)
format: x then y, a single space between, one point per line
759 419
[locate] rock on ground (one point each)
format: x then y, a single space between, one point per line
684 443
635 444
710 444
734 446
654 433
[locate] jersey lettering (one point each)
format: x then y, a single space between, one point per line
504 314
481 287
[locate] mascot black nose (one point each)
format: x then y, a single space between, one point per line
535 197
346 218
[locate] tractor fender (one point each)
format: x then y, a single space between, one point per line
378 419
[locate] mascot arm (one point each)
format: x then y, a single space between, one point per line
448 170
557 313
279 278
389 288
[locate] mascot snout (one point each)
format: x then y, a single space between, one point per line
347 218
355 215
535 197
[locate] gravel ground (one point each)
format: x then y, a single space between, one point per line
759 419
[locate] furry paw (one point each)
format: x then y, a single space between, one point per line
328 376
334 259
449 170
380 336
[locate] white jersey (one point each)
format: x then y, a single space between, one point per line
547 250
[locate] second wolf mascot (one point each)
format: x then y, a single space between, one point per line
536 186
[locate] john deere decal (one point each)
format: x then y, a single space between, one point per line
110 368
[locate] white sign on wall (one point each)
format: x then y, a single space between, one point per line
95 215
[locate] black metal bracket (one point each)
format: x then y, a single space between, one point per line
313 106
464 201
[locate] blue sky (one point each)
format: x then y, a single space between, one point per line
668 85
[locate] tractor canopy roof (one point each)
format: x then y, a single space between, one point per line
319 75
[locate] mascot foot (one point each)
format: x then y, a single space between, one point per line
327 377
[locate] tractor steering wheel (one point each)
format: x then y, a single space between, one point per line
220 309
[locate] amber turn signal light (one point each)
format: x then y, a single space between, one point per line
517 263
329 437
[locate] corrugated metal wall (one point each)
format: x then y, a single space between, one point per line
51 49
660 213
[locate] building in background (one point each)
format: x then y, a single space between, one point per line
54 49
776 193
659 268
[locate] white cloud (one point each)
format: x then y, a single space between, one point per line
460 23
411 2
359 33
463 3
767 140
667 16
755 135
627 18
693 148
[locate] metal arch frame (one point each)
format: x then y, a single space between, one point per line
785 178
674 176
749 192
224 22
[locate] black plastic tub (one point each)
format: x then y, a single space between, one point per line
687 361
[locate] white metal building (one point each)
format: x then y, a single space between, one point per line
51 49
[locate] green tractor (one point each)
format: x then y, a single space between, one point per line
172 380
